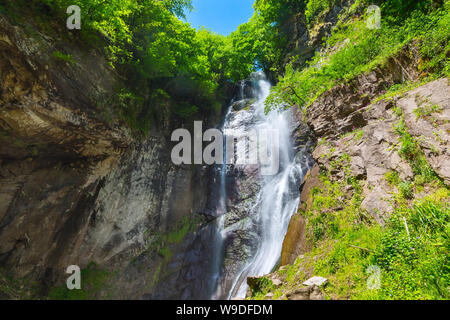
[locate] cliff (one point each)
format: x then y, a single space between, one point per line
78 188
381 176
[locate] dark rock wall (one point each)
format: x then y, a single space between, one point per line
75 189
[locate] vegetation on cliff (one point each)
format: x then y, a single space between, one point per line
170 68
168 65
353 48
407 257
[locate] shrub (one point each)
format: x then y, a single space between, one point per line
392 177
406 190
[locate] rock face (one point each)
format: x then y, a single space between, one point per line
371 147
427 116
75 189
316 281
293 244
350 128
306 293
353 129
341 109
304 40
54 152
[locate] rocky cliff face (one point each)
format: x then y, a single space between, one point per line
75 189
359 139
348 123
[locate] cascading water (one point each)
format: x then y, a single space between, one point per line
269 210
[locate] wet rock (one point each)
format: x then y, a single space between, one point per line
242 104
75 189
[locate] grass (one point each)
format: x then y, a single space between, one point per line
392 177
410 150
413 266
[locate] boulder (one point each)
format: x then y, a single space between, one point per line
299 294
311 292
316 281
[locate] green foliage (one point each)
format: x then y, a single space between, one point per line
435 47
170 68
392 177
409 148
271 24
315 7
416 266
413 266
346 241
411 151
261 286
424 112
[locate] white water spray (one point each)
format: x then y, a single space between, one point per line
278 197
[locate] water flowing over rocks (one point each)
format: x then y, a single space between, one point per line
354 130
77 189
259 207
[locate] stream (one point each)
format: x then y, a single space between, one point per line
254 225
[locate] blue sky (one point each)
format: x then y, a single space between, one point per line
221 16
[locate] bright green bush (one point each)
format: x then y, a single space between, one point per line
315 7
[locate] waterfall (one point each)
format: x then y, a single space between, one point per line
268 210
